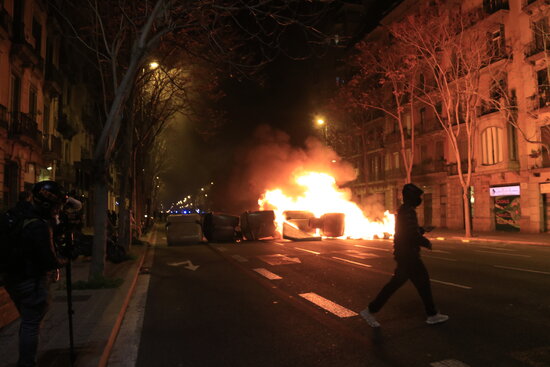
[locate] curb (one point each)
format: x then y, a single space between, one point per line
480 239
118 323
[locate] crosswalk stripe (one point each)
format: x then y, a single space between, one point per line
266 273
239 258
328 305
373 248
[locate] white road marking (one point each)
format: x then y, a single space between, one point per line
328 305
451 284
352 262
449 363
373 248
303 249
439 258
520 269
441 251
497 248
239 258
266 273
279 259
278 243
500 253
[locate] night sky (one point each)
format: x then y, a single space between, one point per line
280 96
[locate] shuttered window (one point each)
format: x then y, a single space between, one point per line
491 146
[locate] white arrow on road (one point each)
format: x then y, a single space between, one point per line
188 265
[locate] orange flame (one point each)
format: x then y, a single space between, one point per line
321 196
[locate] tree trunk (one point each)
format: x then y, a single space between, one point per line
124 226
100 228
467 213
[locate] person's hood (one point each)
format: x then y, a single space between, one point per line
411 194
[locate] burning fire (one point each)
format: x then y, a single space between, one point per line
321 196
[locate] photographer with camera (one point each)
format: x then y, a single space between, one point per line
34 265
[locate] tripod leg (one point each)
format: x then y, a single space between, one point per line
70 310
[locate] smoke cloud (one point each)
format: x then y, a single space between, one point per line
269 161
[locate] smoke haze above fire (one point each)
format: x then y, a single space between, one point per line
269 161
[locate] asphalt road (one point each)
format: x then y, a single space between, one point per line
278 303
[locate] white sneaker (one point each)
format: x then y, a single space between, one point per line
369 318
438 318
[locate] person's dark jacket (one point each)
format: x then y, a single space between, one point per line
37 256
408 235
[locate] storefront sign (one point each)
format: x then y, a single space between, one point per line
504 190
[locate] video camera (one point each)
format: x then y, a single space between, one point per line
69 227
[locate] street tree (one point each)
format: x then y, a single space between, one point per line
454 56
121 37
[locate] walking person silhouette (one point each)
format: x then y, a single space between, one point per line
408 238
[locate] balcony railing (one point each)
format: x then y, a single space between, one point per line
51 146
492 6
537 46
453 167
22 125
529 2
429 166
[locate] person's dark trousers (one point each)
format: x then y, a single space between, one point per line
407 268
31 297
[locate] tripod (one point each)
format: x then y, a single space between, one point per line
69 286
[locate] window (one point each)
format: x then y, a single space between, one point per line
541 35
32 103
37 34
496 45
491 146
422 118
396 160
387 162
545 140
543 87
512 142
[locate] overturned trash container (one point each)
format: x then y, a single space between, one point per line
257 225
220 227
183 229
298 226
333 224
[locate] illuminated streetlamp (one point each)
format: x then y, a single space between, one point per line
153 65
324 125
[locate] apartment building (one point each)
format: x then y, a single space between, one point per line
44 103
510 187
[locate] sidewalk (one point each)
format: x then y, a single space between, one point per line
95 314
541 239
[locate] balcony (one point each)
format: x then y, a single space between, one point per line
453 167
4 117
23 50
22 126
489 7
530 5
429 166
536 47
66 127
51 147
54 78
492 6
486 109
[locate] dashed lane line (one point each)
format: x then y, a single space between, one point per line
438 258
352 262
520 269
239 258
500 253
441 251
266 273
451 284
306 250
373 248
328 305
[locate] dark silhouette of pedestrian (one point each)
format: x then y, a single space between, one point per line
408 239
35 266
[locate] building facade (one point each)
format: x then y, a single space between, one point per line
510 187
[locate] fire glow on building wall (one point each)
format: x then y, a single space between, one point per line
321 195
